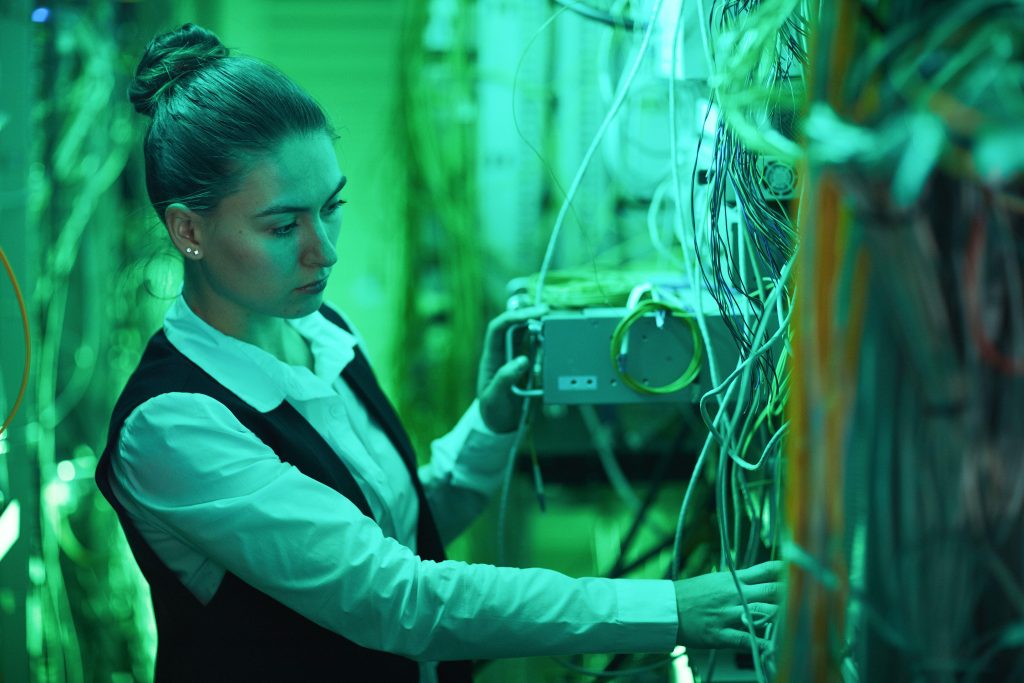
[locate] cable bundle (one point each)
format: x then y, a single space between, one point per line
905 485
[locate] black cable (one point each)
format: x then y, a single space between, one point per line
657 480
615 664
645 557
601 16
872 18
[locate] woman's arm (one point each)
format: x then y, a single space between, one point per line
189 468
465 469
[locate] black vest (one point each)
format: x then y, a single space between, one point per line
243 634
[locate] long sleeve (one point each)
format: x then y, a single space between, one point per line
189 469
465 469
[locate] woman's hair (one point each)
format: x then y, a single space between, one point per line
213 114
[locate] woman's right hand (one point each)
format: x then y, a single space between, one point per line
711 613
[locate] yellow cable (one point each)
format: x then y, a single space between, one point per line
28 340
619 337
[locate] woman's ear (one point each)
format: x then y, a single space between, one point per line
185 228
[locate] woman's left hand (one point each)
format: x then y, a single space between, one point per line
499 407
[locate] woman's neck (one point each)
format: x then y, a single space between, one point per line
267 332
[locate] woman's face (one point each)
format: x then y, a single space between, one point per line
268 248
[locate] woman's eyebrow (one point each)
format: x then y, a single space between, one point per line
281 208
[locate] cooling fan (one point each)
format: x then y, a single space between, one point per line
778 178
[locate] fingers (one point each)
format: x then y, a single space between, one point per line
740 640
516 316
761 612
500 409
762 573
761 617
511 372
763 592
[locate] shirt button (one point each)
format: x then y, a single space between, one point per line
336 410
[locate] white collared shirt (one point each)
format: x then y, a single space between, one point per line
210 497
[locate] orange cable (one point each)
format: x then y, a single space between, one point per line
28 341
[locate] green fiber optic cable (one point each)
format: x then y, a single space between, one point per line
619 338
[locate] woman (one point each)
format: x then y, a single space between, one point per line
267 488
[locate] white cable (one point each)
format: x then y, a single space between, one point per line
653 229
705 38
506 482
585 164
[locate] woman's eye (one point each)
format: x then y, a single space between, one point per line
336 205
285 230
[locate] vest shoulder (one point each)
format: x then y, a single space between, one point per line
162 362
163 369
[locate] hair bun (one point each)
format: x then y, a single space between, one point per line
169 57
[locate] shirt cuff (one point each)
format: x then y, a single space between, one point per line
471 455
648 607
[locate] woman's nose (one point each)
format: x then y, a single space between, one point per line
322 251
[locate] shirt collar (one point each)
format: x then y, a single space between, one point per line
252 374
